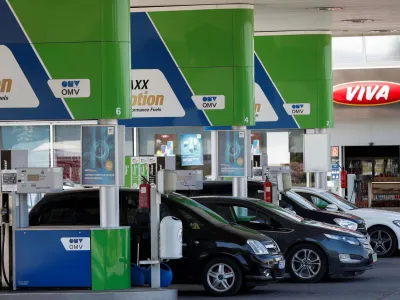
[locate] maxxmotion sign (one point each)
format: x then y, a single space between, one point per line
5 88
70 88
152 95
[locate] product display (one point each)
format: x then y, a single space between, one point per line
385 192
165 144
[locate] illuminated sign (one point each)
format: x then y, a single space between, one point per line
366 93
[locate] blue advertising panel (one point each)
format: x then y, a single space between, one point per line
53 259
231 153
98 155
191 149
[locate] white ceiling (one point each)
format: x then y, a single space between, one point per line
301 15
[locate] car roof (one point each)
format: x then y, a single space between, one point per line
308 189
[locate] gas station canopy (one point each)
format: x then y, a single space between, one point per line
342 17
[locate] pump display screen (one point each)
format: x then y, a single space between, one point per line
33 177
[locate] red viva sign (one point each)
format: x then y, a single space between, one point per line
366 93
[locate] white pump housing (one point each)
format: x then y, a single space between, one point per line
170 238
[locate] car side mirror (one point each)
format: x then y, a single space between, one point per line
332 207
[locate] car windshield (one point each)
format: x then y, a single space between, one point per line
199 209
301 201
339 201
280 211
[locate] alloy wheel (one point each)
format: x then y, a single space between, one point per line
306 263
381 242
221 277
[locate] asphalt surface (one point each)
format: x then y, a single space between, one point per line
380 283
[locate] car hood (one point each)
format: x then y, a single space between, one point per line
245 233
329 228
370 213
357 219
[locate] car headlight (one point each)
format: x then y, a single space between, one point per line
396 222
346 224
276 246
257 247
347 239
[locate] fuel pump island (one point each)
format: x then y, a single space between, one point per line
61 257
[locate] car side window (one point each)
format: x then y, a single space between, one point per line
60 212
88 210
224 210
255 190
253 215
319 202
129 203
191 220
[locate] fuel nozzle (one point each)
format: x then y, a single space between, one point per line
5 219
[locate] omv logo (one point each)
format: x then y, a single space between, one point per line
207 102
76 243
70 88
295 109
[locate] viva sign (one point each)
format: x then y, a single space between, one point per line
367 93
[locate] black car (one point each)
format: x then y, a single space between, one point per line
289 200
313 250
223 257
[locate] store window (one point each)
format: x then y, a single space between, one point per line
175 141
35 139
299 177
285 148
67 151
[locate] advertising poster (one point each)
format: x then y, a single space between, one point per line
165 144
135 173
256 143
191 149
98 155
231 153
143 169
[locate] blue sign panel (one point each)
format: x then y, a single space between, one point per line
231 153
191 150
52 259
98 155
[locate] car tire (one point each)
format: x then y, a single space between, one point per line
307 264
215 277
383 241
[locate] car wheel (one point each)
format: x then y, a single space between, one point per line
383 241
307 264
222 277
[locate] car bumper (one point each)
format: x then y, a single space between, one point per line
262 271
366 262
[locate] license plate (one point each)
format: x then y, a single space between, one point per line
374 257
281 264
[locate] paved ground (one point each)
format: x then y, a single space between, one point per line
381 283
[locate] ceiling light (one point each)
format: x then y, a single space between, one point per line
329 8
358 21
383 31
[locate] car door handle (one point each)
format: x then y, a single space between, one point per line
196 242
184 244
